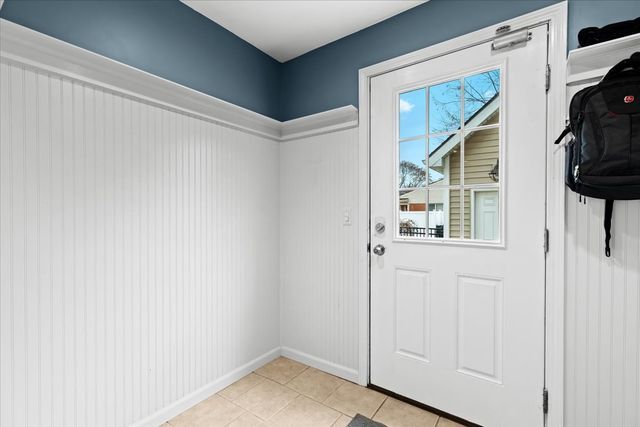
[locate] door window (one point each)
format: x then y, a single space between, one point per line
449 147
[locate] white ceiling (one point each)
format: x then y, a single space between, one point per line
287 29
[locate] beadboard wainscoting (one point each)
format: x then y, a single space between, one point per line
318 253
602 301
139 254
602 371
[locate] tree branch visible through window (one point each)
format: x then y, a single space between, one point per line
478 90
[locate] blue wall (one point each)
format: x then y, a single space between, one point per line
327 77
169 39
165 38
583 13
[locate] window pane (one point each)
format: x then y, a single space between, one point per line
412 110
484 213
481 154
481 98
411 168
412 214
440 150
437 219
436 143
444 107
436 176
453 220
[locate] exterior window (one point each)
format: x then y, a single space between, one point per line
448 159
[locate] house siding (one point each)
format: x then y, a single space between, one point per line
481 153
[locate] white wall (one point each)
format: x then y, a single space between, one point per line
318 254
602 370
134 269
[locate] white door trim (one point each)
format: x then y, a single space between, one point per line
556 17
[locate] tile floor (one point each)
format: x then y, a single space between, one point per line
285 393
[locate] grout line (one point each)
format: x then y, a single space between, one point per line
266 377
282 409
333 409
322 403
297 375
226 398
381 403
336 389
243 393
336 420
241 414
285 383
248 410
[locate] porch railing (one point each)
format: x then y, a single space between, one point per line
437 231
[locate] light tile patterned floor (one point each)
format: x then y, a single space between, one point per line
285 393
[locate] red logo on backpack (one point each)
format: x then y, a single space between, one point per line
629 99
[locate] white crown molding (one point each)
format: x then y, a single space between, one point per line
36 50
593 62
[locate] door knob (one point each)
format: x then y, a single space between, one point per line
379 250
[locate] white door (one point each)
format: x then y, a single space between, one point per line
457 317
485 214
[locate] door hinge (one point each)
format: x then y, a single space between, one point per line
547 78
546 240
545 401
368 247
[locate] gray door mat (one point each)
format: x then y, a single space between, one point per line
362 421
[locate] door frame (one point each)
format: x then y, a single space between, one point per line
556 17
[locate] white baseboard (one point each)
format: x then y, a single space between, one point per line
321 364
179 406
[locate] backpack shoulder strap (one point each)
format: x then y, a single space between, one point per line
633 62
564 133
608 213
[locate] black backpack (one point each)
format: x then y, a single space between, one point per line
603 158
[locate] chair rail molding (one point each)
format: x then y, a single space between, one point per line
327 121
36 50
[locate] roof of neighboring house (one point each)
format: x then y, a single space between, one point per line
419 195
479 118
